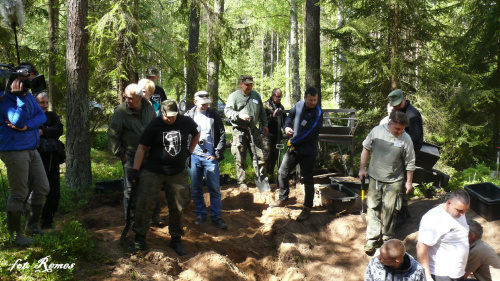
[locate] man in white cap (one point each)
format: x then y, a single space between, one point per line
205 159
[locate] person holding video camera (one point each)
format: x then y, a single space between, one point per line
22 116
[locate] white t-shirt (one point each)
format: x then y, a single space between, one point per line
448 241
205 146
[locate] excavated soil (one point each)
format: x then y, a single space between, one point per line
261 243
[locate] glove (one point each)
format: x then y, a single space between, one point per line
290 146
133 177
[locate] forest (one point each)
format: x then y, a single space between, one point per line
443 54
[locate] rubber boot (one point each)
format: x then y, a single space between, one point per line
14 226
32 220
175 244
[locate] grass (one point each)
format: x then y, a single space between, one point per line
70 246
227 166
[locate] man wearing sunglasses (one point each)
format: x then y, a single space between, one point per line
275 118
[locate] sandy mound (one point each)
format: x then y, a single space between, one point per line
211 266
260 243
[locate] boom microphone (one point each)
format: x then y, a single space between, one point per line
12 12
13 15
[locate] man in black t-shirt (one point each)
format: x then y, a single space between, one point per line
165 144
153 75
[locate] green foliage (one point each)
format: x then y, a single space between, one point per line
104 166
66 249
227 165
476 174
72 243
421 190
100 140
72 200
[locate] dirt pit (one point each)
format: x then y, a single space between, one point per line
260 243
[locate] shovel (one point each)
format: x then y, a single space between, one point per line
129 214
496 174
262 184
363 211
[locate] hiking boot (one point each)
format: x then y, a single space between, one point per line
277 203
371 246
139 244
218 222
243 187
156 220
14 227
175 244
200 221
32 220
305 214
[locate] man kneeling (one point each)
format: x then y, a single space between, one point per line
394 263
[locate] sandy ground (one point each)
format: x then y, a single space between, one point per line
260 244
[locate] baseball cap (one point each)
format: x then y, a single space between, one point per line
169 108
151 71
202 97
246 79
396 97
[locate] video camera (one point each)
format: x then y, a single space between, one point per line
9 74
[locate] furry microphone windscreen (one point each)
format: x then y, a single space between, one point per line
12 12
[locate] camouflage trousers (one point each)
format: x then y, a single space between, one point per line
383 202
241 143
177 193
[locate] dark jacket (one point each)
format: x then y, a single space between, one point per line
126 127
218 132
20 111
415 128
273 122
307 123
53 129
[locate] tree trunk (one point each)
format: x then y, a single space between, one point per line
132 74
263 65
277 50
53 23
272 53
78 171
214 52
192 57
287 73
295 52
313 52
395 46
338 58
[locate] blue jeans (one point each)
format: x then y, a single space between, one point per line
210 168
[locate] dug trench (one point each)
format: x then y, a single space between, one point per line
260 243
